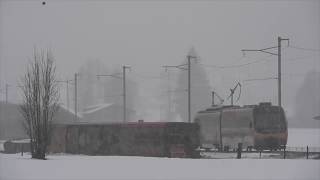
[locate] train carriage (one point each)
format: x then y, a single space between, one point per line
260 126
158 139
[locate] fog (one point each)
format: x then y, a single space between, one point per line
148 35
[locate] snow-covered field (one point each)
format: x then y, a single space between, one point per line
16 167
299 137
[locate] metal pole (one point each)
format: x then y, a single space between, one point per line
212 98
220 129
169 99
68 94
231 97
124 93
189 90
7 86
75 97
279 71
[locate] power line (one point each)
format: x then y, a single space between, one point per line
303 48
147 77
253 62
235 66
259 79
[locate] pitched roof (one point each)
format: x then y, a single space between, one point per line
69 110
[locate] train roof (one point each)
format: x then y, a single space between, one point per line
218 108
251 106
129 124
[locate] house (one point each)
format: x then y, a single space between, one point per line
66 116
11 120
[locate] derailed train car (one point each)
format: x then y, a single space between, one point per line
158 139
260 126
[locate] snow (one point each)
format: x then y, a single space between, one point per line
16 167
63 166
70 110
1 145
21 141
95 108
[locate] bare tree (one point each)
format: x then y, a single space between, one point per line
40 92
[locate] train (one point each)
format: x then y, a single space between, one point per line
263 126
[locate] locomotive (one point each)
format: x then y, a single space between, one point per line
262 126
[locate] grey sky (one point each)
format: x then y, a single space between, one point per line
147 35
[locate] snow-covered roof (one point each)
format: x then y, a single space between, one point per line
94 108
70 110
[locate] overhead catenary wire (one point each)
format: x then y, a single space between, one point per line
259 79
147 77
303 48
233 66
254 62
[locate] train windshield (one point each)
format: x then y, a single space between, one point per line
270 121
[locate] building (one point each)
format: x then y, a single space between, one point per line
11 120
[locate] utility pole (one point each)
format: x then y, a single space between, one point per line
232 92
265 50
212 99
7 91
124 92
189 89
67 94
169 98
279 70
189 81
123 89
75 97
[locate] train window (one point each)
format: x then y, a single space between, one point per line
270 121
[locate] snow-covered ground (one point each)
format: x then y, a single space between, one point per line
15 167
300 137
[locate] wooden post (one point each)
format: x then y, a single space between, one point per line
239 150
21 149
260 154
